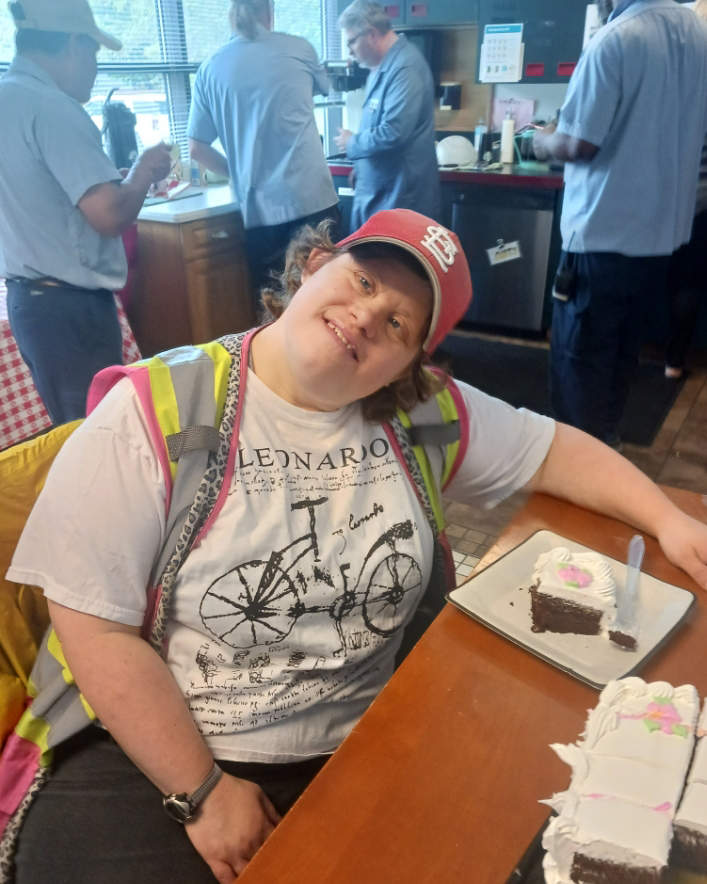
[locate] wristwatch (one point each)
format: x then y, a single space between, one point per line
182 807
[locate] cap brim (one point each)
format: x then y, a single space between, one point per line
432 276
106 40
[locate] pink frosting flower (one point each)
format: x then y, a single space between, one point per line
574 576
664 717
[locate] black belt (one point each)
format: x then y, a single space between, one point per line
49 282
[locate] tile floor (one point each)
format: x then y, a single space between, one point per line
677 457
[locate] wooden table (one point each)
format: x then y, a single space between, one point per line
439 783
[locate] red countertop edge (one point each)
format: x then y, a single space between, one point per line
516 178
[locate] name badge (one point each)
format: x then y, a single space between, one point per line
502 252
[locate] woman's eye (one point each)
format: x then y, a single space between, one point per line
364 282
394 322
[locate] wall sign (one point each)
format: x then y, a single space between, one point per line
501 54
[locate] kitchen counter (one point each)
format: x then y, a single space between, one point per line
207 203
537 175
191 281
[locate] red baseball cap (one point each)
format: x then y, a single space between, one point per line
439 252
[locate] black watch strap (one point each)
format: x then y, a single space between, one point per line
182 806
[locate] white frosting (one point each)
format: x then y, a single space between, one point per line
582 578
698 771
608 829
595 776
702 724
627 777
653 723
693 809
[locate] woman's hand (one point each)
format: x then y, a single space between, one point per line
570 472
684 542
232 823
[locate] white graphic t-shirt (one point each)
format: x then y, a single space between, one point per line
287 615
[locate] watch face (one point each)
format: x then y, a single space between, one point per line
178 807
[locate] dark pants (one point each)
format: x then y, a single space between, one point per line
687 290
98 820
266 246
65 335
597 336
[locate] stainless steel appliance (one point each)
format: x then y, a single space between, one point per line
506 236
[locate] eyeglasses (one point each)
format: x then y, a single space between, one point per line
351 42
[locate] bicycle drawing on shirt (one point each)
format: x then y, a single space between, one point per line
258 602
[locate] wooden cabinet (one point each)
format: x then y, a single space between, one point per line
192 283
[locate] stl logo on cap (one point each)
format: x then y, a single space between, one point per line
441 246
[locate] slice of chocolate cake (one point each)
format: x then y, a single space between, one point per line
690 835
572 592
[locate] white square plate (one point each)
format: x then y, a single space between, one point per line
498 597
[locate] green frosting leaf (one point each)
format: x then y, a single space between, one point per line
680 730
651 725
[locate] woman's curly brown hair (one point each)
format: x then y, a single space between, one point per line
415 387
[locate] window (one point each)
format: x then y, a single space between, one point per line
164 41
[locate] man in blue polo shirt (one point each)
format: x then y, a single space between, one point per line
63 204
395 161
631 131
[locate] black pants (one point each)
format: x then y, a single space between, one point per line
65 335
266 246
99 820
597 336
687 291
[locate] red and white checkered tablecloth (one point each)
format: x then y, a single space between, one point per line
22 412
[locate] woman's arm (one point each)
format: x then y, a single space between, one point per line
584 471
134 695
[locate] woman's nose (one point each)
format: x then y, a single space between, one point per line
368 315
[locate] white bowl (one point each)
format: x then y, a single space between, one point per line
455 150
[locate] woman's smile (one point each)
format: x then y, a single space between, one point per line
344 337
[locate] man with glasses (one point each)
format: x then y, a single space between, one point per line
395 163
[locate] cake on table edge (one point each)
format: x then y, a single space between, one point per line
690 832
576 593
615 822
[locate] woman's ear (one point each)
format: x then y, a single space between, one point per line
317 258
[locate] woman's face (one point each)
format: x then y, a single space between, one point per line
354 326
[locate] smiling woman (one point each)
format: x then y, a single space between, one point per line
393 291
315 531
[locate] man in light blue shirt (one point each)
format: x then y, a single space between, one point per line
63 205
394 155
256 95
631 131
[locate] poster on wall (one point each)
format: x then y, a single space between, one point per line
501 58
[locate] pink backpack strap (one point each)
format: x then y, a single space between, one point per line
463 414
